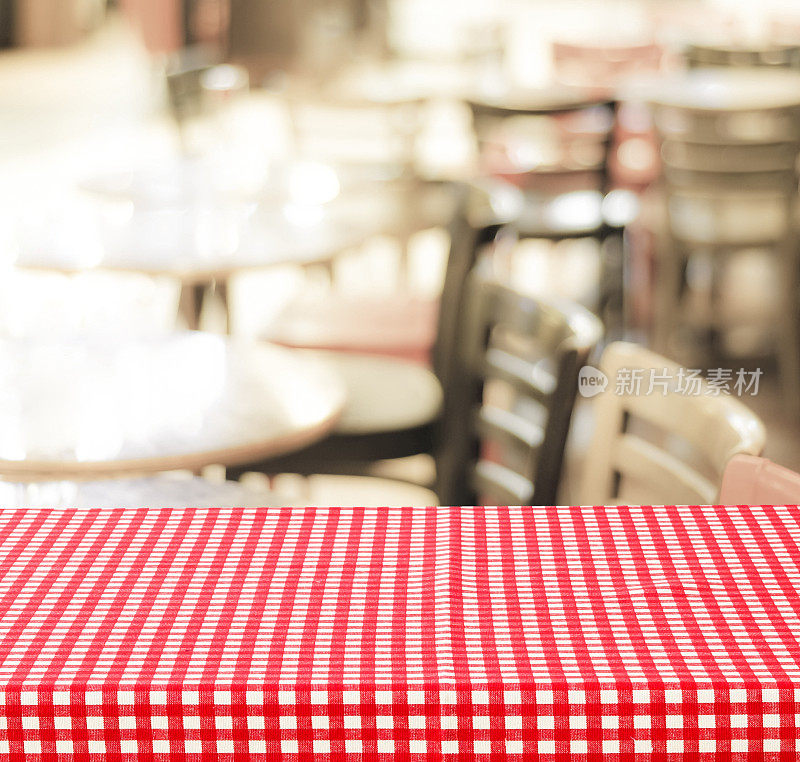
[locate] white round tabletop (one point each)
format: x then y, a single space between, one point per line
218 180
195 242
505 101
721 89
99 406
163 491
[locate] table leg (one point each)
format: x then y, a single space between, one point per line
190 304
221 290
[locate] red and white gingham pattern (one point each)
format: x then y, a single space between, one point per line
369 633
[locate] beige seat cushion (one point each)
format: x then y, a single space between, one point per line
399 326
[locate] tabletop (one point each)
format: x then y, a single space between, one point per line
163 490
100 405
635 632
206 238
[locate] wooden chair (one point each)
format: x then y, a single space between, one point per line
749 480
507 409
352 128
555 144
665 447
547 142
634 162
506 420
730 183
394 406
370 139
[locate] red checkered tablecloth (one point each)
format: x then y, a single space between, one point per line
370 634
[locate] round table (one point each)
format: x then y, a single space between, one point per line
163 491
95 406
188 220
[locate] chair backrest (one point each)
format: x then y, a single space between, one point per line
666 444
351 125
749 480
508 412
726 163
554 140
484 214
634 157
584 65
729 108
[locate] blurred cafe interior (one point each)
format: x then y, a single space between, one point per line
399 252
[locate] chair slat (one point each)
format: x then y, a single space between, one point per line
663 472
532 348
505 426
500 484
530 378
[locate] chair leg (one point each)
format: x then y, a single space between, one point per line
789 335
669 273
612 283
713 336
190 304
221 290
